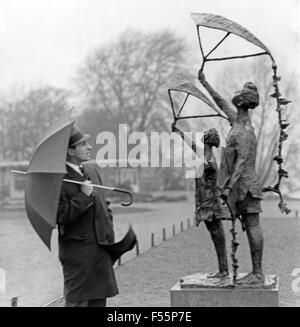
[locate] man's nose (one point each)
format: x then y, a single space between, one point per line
89 146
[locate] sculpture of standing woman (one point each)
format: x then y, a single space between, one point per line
238 180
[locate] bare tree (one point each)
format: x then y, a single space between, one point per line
125 81
26 117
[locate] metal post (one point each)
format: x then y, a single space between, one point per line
137 248
14 302
164 234
152 240
174 232
181 226
188 224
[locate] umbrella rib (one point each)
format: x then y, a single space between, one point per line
212 50
172 104
238 57
183 104
202 116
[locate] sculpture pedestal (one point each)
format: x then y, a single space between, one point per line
199 291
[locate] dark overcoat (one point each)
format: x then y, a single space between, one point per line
84 223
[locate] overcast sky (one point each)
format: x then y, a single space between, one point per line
45 40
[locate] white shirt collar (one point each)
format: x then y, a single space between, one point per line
75 167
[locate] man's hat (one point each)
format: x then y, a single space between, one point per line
77 136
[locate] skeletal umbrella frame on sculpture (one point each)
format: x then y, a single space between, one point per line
190 88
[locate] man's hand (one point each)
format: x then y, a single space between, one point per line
87 188
225 193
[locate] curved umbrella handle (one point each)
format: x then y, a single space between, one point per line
114 189
125 204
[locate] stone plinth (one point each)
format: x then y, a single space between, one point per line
199 291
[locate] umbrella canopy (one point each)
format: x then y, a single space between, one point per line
187 85
44 177
226 25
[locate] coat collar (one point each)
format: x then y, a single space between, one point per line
75 167
73 174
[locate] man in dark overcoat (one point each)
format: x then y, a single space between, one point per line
84 224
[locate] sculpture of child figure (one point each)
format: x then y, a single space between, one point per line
207 202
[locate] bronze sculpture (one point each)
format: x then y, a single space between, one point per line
207 203
238 181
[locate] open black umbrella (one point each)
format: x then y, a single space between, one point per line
44 177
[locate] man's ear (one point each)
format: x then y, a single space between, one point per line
70 152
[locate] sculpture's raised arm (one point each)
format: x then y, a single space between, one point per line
220 101
186 139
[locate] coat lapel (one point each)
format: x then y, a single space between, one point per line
103 219
72 174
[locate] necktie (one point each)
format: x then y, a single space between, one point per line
81 169
85 175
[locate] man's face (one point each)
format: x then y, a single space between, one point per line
80 153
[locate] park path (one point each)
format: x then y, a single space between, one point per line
147 279
33 274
